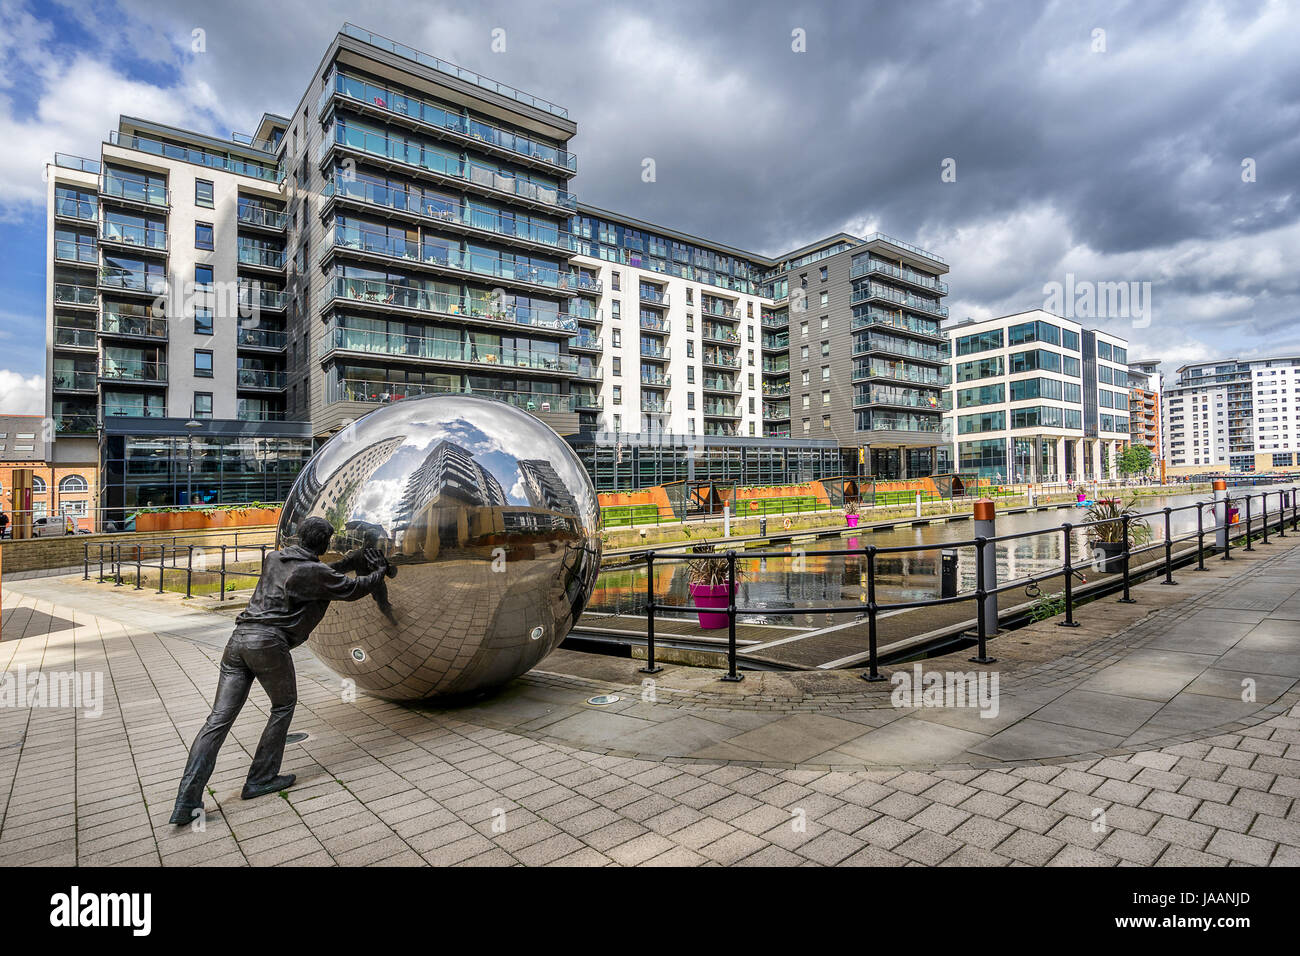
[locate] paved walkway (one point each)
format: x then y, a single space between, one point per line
1126 741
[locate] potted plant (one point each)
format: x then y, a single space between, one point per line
1107 537
851 512
707 582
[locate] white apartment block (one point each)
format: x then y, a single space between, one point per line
1037 397
1233 415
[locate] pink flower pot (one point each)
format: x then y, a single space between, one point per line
710 595
851 520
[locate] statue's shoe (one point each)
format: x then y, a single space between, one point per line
183 816
274 785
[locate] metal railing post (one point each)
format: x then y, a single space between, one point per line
1263 504
1200 536
223 573
117 565
1249 547
1069 579
732 674
189 572
873 673
162 565
85 562
1169 552
1127 598
139 555
650 666
981 596
101 563
1295 511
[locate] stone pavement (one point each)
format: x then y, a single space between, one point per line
1125 742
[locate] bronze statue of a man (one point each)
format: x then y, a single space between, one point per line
291 597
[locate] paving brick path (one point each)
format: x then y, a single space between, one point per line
535 776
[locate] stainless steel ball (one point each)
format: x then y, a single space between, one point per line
492 523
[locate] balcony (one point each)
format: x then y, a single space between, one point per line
872 291
655 353
591 373
82 210
134 410
390 296
73 424
133 281
772 320
720 410
779 388
867 317
446 124
587 401
443 258
584 341
383 393
138 371
134 193
133 237
867 343
882 421
901 398
69 380
82 251
721 384
486 179
655 407
718 307
260 217
721 431
450 216
716 333
773 366
272 339
246 414
74 337
870 266
254 298
259 379
776 413
77 296
656 381
900 372
656 326
716 359
654 296
776 343
442 350
133 326
205 156
261 257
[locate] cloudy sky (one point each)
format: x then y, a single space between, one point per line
1143 142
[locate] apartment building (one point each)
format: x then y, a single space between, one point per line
1233 416
1144 380
55 489
1037 397
409 228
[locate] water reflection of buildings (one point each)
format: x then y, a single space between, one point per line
453 501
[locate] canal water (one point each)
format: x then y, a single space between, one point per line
790 588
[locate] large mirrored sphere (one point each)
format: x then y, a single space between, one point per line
492 523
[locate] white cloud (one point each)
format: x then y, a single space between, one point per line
21 395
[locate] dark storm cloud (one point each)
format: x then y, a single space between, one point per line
1118 165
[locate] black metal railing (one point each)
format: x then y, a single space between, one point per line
169 554
986 590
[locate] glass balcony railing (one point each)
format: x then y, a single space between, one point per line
80 163
656 408
74 381
881 237
659 353
213 159
265 256
901 398
776 388
721 359
255 297
258 378
379 292
586 340
134 410
882 343
717 333
870 266
444 350
247 414
72 424
777 342
720 409
132 280
656 381
127 234
587 400
111 323
253 215
436 160
884 421
451 69
433 115
900 372
69 208
592 373
385 392
864 317
871 290
773 320
67 294
714 430
654 296
719 308
443 211
152 194
261 338
133 370
84 251
776 413
659 325
71 337
776 366
720 384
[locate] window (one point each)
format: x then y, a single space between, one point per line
203 235
979 342
1071 366
202 404
618 395
980 368
826 373
73 485
617 338
38 484
202 363
984 422
616 282
826 396
203 193
203 321
203 276
822 273
618 365
826 349
690 401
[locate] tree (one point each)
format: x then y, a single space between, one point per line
1135 460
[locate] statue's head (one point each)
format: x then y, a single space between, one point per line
314 534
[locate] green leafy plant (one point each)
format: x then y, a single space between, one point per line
1111 512
1047 605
